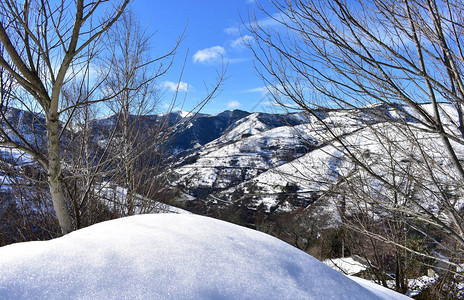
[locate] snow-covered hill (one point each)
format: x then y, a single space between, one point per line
261 148
172 257
255 162
225 162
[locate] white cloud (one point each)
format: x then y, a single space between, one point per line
233 104
275 20
266 90
271 21
241 42
234 30
262 90
209 55
176 87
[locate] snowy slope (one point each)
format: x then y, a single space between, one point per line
256 123
269 171
222 163
171 257
258 143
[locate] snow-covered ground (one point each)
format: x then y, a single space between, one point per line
346 265
169 256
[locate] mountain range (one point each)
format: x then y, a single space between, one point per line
249 164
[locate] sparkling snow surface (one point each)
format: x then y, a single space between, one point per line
170 256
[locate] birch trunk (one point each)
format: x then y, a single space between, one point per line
54 178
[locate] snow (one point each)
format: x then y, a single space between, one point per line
222 162
184 114
380 291
15 155
418 284
250 125
319 169
169 256
346 265
115 197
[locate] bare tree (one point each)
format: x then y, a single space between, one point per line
44 47
52 68
129 61
400 65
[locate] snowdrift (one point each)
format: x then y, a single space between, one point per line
169 256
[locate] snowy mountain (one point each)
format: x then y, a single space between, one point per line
254 161
282 162
168 256
256 153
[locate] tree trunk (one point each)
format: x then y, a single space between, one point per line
54 179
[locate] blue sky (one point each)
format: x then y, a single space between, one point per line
212 36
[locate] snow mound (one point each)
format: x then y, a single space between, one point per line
170 256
